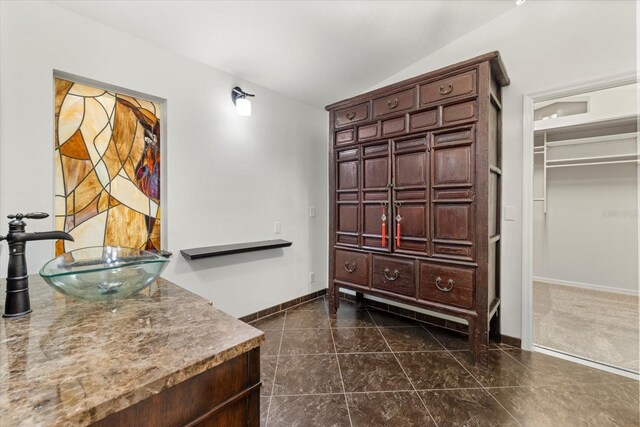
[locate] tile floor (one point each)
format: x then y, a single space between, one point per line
364 367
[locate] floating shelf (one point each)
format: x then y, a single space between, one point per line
235 248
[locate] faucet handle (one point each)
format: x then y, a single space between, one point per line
32 215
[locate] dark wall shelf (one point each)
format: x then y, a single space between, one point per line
235 248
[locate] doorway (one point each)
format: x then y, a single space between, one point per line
580 274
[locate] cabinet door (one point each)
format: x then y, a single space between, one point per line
376 176
347 197
452 183
411 194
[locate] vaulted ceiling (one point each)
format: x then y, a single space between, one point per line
315 51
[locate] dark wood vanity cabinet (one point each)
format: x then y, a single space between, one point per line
426 154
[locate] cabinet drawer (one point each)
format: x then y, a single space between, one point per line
460 85
394 275
345 137
397 102
459 113
352 267
350 115
445 284
423 120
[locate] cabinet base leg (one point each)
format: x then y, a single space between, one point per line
360 299
479 342
334 298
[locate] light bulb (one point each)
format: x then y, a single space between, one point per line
243 106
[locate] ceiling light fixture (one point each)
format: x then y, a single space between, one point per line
243 105
520 2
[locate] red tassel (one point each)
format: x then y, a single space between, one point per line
397 235
384 234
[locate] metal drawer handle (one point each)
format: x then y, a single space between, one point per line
395 276
351 269
392 104
351 115
446 91
449 282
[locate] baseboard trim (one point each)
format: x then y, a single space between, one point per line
586 286
282 306
512 341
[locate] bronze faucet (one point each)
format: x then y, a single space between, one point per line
17 302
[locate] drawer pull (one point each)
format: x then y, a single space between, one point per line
351 115
395 276
446 91
352 268
392 104
443 289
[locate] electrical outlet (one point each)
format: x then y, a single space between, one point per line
312 277
509 213
312 211
277 227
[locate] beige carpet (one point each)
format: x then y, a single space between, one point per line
596 325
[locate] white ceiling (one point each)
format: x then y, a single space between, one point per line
315 51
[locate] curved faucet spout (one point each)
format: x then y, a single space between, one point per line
43 235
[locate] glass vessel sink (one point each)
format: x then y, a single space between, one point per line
103 272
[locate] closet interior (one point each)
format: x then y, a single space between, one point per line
585 290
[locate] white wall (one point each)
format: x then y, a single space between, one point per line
228 177
545 45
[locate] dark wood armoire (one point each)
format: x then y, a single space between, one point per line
415 181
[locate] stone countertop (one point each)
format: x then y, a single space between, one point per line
74 362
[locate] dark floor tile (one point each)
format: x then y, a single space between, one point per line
351 319
553 370
383 318
306 341
275 321
315 304
306 319
267 373
271 343
264 409
315 374
450 340
359 340
388 409
372 372
435 370
470 407
410 339
503 370
572 405
304 411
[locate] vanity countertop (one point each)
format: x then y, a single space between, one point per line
74 362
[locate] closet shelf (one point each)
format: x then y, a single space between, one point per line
581 161
591 140
235 248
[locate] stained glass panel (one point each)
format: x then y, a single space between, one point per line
107 168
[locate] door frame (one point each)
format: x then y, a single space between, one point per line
529 99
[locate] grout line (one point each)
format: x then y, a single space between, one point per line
273 386
473 376
344 388
405 372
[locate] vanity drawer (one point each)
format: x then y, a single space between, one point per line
394 275
350 115
460 85
400 101
446 284
352 267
